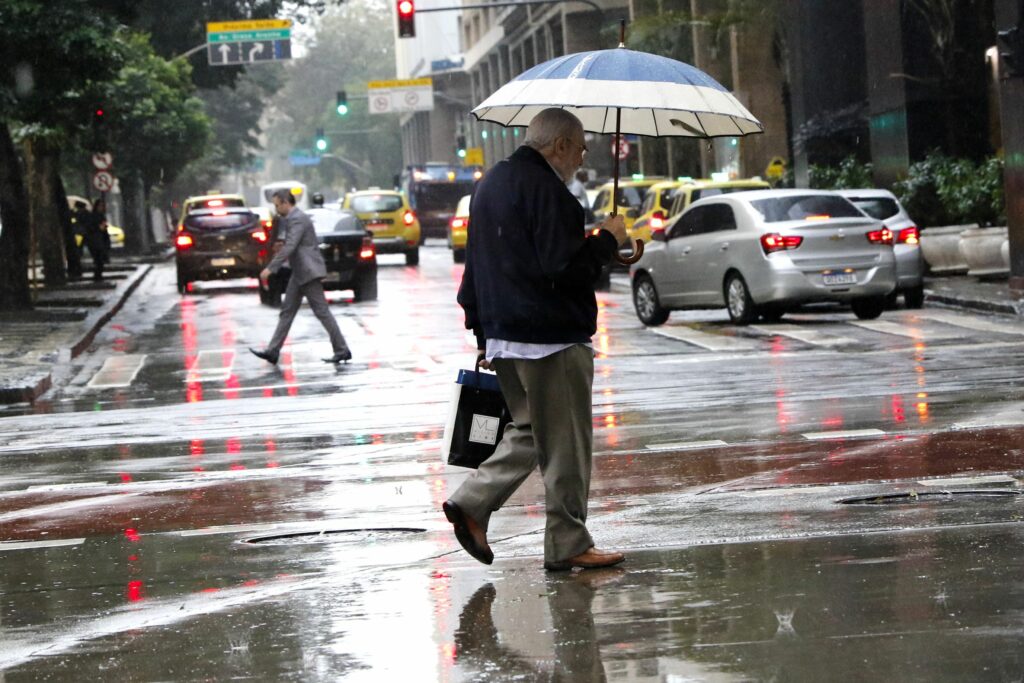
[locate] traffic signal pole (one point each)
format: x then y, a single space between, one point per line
1010 19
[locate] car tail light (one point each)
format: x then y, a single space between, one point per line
458 223
773 241
215 202
408 218
909 235
184 241
658 220
882 236
267 224
366 251
260 236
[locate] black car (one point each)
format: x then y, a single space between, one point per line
218 244
347 248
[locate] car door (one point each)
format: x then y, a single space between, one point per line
678 259
710 253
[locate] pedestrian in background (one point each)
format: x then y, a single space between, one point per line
95 236
528 294
577 188
301 251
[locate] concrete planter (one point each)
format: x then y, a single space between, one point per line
940 247
986 251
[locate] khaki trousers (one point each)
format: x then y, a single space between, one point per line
551 404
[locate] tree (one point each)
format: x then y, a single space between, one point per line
59 54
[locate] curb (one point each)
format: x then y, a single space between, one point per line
94 323
984 305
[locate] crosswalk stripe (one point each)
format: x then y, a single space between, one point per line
685 445
711 342
808 336
901 330
971 323
30 545
117 371
849 434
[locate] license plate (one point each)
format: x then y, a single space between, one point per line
217 262
840 278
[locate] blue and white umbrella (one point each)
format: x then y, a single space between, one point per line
654 96
623 91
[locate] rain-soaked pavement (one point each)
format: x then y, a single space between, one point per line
816 498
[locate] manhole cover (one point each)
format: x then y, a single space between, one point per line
335 536
914 497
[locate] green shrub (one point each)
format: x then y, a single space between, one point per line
850 174
940 190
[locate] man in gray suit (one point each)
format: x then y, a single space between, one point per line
302 252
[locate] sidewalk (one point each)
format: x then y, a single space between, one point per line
63 324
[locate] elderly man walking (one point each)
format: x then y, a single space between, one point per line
528 295
301 251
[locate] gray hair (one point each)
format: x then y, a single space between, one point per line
549 125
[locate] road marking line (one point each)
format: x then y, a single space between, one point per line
685 445
971 323
118 371
711 342
902 330
65 487
31 545
214 362
228 529
803 334
961 481
852 433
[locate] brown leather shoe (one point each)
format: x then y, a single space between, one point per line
592 558
468 532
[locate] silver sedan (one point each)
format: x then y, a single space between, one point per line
763 253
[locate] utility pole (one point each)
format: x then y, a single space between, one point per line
1010 25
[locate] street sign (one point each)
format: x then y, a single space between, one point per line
399 96
775 169
248 42
102 161
103 181
474 156
623 147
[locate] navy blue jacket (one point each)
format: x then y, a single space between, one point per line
530 266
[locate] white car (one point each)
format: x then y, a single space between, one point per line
884 206
763 253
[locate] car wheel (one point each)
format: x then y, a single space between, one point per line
742 310
412 257
459 255
365 288
645 301
914 297
869 307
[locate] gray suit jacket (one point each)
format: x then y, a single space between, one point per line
301 249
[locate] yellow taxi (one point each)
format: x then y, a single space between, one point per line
655 209
458 230
690 191
630 199
212 200
387 214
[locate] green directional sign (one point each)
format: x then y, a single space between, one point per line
230 43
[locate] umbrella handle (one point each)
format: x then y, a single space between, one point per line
638 251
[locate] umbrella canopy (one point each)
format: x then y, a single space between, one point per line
656 96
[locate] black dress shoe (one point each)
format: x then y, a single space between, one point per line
340 356
468 533
265 355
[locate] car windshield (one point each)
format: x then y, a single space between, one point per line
801 207
666 196
329 222
877 207
631 196
376 203
219 220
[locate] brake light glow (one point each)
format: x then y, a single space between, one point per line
658 220
458 223
817 217
909 235
215 202
883 236
267 224
408 218
477 175
366 252
773 242
260 236
183 241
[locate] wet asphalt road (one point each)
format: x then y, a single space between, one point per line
180 510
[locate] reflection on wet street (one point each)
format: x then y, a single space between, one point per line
178 509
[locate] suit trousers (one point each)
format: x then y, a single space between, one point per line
314 293
550 400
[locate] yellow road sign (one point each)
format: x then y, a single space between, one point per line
248 25
407 83
775 169
474 156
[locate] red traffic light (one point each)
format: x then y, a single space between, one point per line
406 19
406 8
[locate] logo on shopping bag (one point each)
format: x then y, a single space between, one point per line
484 429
